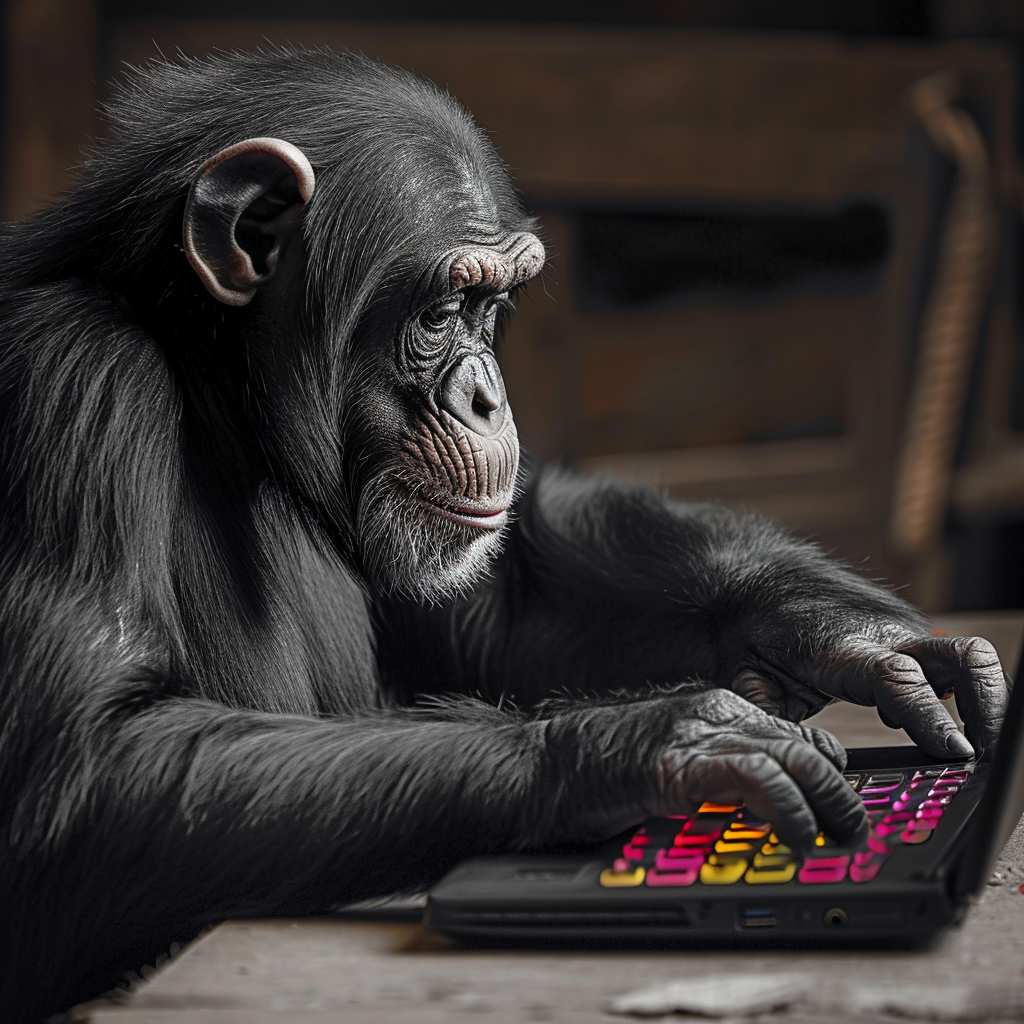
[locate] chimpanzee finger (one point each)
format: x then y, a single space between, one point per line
837 808
895 683
825 743
969 667
757 780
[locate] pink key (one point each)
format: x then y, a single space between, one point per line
936 801
875 845
930 812
827 862
863 857
672 877
620 865
921 825
882 802
897 816
641 839
886 830
683 860
631 852
960 776
879 789
865 872
815 875
914 838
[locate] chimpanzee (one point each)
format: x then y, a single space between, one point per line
284 621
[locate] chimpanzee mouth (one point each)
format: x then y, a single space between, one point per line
482 516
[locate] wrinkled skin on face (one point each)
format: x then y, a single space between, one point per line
433 517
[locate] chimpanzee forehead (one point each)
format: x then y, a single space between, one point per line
496 263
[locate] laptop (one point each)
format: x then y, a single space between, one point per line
721 877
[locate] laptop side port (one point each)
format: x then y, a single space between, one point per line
835 917
758 917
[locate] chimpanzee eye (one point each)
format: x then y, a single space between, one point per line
439 318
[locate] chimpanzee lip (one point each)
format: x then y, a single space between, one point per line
483 516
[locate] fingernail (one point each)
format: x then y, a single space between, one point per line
956 743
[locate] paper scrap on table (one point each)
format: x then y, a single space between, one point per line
719 995
731 995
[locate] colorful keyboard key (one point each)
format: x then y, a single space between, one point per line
723 847
678 860
612 879
672 878
723 874
824 869
770 875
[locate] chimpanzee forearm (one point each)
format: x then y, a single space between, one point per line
605 587
241 812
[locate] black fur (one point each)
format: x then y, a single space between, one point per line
206 707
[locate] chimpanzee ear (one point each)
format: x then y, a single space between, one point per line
244 205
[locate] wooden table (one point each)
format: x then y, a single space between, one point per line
382 966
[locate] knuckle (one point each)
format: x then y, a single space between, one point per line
975 652
900 668
721 707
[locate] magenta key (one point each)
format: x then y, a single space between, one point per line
865 872
913 838
814 876
876 845
671 877
828 862
683 860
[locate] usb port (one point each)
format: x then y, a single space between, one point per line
758 917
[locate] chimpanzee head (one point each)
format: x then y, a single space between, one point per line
359 243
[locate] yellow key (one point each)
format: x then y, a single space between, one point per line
611 879
723 874
723 847
771 849
745 833
774 860
819 839
769 876
709 808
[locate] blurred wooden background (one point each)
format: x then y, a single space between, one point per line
743 228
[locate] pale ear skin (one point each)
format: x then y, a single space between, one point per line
243 207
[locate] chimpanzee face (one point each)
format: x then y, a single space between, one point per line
425 438
430 523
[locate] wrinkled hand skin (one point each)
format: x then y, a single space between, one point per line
715 746
902 674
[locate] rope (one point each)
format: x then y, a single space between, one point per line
951 326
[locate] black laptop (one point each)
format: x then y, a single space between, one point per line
721 876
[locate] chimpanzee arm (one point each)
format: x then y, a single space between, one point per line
605 587
134 816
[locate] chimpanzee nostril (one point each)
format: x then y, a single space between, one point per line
473 392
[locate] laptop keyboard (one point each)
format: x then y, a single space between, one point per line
724 844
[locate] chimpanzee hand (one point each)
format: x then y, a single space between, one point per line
711 745
897 670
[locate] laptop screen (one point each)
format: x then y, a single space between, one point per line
1002 803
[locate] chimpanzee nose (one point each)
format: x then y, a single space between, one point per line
474 393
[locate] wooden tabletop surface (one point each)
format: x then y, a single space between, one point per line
383 967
